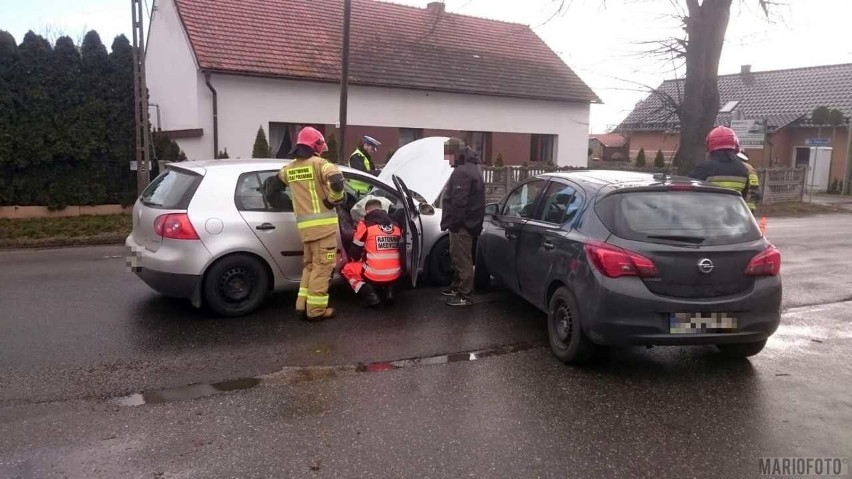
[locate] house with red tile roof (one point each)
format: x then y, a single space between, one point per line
219 69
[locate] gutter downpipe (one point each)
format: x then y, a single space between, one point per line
846 188
215 115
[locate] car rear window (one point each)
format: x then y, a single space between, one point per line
693 217
172 190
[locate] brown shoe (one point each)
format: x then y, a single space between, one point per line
328 314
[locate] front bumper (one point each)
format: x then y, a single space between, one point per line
625 313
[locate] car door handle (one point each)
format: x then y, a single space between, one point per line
548 245
511 235
265 227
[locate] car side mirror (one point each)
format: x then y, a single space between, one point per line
492 210
426 209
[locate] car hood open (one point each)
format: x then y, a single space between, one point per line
422 166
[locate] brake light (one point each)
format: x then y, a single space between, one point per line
616 262
175 226
767 263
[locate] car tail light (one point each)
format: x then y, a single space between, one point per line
175 226
616 262
767 263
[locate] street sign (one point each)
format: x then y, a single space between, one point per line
752 133
133 165
818 142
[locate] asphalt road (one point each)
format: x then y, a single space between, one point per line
77 331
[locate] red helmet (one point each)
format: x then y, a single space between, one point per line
312 138
722 138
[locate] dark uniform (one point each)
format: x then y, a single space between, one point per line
724 169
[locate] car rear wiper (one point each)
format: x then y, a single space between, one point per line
681 238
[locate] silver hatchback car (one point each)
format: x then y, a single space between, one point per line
211 231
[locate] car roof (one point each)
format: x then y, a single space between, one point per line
598 179
236 165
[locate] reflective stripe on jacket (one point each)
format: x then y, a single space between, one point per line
360 161
308 180
380 243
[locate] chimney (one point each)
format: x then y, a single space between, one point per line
435 7
745 69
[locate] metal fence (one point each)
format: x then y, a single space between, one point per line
778 185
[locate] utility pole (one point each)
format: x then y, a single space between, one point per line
344 79
140 100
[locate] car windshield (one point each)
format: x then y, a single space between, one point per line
689 217
173 189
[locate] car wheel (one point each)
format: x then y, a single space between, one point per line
235 285
741 350
564 330
481 275
441 263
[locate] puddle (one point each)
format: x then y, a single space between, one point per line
297 374
445 358
184 393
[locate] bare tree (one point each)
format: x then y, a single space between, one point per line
699 50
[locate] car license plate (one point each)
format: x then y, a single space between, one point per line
697 323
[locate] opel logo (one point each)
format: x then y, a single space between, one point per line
705 266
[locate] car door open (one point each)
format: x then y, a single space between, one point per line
413 231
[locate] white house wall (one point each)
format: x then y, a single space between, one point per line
171 71
245 103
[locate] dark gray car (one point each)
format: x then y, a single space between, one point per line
621 258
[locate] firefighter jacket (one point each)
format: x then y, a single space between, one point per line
753 187
377 241
725 170
313 198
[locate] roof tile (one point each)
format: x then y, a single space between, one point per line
391 45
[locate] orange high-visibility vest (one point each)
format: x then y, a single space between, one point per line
381 247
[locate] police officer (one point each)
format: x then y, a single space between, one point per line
722 167
753 183
316 187
362 159
374 256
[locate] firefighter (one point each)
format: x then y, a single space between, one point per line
754 195
374 257
362 159
316 187
722 167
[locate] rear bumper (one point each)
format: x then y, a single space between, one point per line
625 313
169 284
175 269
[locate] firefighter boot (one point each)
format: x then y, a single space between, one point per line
367 295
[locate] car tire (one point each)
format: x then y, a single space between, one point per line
741 350
235 285
481 275
441 263
564 329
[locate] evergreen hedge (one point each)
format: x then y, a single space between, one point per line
66 122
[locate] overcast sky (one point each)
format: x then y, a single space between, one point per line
599 39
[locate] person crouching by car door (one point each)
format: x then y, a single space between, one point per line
463 214
375 258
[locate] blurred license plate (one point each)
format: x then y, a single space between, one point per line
692 323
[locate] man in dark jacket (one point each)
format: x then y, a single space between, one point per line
463 214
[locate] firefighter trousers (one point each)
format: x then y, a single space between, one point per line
319 259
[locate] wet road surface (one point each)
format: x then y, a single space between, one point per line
79 336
